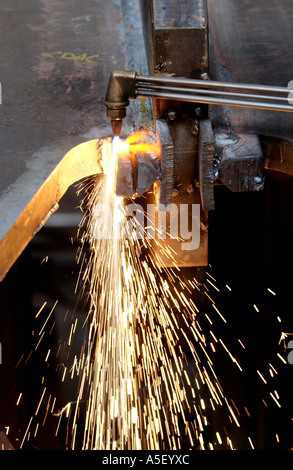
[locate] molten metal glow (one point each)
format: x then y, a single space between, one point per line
140 141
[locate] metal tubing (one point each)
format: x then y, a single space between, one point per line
182 82
211 92
200 99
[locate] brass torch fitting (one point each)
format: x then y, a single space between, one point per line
121 88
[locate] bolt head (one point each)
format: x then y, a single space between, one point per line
172 115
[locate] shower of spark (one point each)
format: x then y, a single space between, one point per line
148 369
135 365
148 373
144 394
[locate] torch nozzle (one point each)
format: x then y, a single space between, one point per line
116 127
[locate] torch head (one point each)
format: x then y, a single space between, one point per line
121 88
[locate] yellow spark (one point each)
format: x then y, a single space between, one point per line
19 398
209 319
275 399
261 376
26 432
47 356
250 442
219 313
41 399
219 438
53 308
42 307
216 288
282 359
213 336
